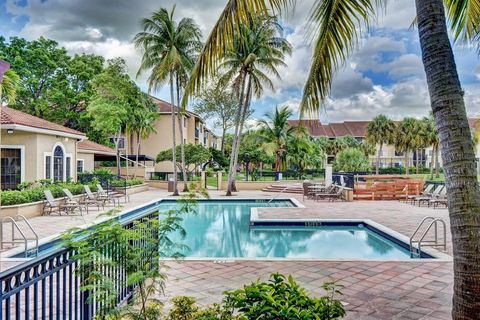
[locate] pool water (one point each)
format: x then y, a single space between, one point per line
221 229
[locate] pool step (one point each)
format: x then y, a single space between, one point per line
284 188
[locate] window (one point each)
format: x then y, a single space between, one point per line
399 153
68 166
11 168
58 164
80 167
48 167
121 142
185 122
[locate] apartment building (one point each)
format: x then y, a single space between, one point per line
357 129
194 132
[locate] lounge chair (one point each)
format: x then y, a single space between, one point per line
72 201
426 193
427 198
51 205
334 192
441 199
89 196
112 195
306 190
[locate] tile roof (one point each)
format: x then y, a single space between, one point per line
346 128
93 146
16 117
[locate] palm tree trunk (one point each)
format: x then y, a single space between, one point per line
238 116
182 143
446 98
138 154
378 157
246 106
418 160
432 163
174 137
407 164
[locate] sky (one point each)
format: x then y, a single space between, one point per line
384 76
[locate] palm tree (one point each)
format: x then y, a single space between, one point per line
142 126
335 26
380 131
276 132
169 50
257 49
8 87
405 139
431 139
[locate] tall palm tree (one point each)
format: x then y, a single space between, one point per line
257 50
276 132
169 49
335 26
380 131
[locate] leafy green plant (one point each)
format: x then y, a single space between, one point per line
281 298
351 159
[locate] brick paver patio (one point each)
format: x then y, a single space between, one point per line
373 289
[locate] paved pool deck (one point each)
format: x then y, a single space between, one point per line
373 289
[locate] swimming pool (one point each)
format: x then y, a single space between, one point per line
224 229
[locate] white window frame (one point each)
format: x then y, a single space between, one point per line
83 165
22 157
65 156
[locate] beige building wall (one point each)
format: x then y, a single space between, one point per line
35 146
88 161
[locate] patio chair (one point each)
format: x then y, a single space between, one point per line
306 190
426 198
426 192
441 199
72 201
112 195
333 192
89 196
50 205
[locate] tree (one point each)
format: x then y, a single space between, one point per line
8 87
115 97
275 132
350 160
220 105
380 131
169 51
335 29
142 123
195 156
258 48
430 135
53 85
405 139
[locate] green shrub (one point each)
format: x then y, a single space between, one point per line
13 197
283 298
351 159
280 298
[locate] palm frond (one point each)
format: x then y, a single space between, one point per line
335 26
464 17
8 87
236 13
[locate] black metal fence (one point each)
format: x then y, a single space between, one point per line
163 176
259 175
48 287
107 181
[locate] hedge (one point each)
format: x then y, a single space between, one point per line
14 197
